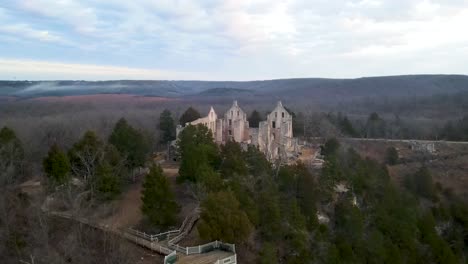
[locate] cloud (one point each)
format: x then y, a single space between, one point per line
45 70
247 39
27 31
81 17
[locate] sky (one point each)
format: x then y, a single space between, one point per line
230 39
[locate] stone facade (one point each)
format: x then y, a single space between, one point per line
274 137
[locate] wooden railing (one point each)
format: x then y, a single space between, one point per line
229 260
154 243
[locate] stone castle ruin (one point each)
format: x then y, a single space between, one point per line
274 136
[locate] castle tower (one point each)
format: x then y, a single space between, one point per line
235 124
275 136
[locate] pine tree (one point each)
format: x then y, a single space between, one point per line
167 126
391 156
232 160
189 115
223 219
375 126
268 254
330 148
347 128
108 183
56 165
130 142
159 204
197 149
421 183
255 118
11 156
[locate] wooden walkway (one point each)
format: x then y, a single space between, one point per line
163 247
205 258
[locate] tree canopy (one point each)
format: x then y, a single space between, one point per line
167 126
197 150
159 204
255 118
85 155
56 165
391 156
189 115
11 156
131 143
222 219
375 126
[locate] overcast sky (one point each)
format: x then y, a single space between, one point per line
230 39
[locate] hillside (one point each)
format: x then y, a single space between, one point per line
313 89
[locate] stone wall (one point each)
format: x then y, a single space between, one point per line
274 137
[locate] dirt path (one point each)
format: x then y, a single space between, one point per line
128 211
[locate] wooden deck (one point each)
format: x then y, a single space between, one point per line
160 247
206 258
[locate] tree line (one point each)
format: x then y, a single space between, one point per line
103 167
273 210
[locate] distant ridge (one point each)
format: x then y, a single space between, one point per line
313 88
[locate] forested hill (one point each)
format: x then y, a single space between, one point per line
312 88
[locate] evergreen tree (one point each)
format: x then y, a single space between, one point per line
232 160
131 143
189 115
307 195
255 118
209 178
159 204
11 156
375 127
167 126
56 165
420 183
269 212
299 124
391 156
108 183
347 128
222 219
268 254
197 149
257 164
330 148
